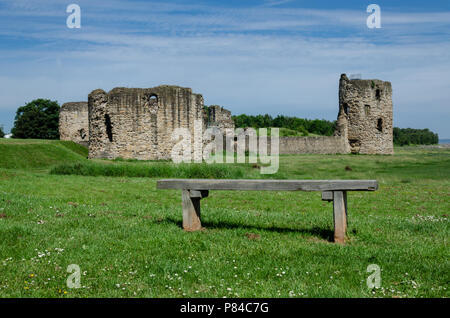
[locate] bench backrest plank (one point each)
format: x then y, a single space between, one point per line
281 185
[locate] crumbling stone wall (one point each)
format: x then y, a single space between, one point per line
138 123
365 116
74 122
301 145
314 145
304 145
219 117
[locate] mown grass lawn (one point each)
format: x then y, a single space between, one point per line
127 239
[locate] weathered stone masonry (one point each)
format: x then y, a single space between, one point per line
219 117
313 145
365 116
74 122
138 123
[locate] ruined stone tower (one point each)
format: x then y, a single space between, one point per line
138 123
74 122
219 117
365 115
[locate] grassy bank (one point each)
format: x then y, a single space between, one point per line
30 154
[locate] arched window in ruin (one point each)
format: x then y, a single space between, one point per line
153 100
367 110
108 127
380 124
378 94
345 108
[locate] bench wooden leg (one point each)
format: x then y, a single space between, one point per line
340 215
191 209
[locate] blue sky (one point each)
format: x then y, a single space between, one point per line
254 57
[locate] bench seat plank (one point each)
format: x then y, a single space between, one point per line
274 185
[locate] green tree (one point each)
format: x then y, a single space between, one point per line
407 136
38 119
2 133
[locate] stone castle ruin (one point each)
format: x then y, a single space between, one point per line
74 123
137 123
219 117
365 116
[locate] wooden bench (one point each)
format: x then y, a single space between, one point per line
193 190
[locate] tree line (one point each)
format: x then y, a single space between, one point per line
301 125
410 136
402 136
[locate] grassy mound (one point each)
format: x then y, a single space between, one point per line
68 158
38 154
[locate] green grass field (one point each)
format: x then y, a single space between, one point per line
126 236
